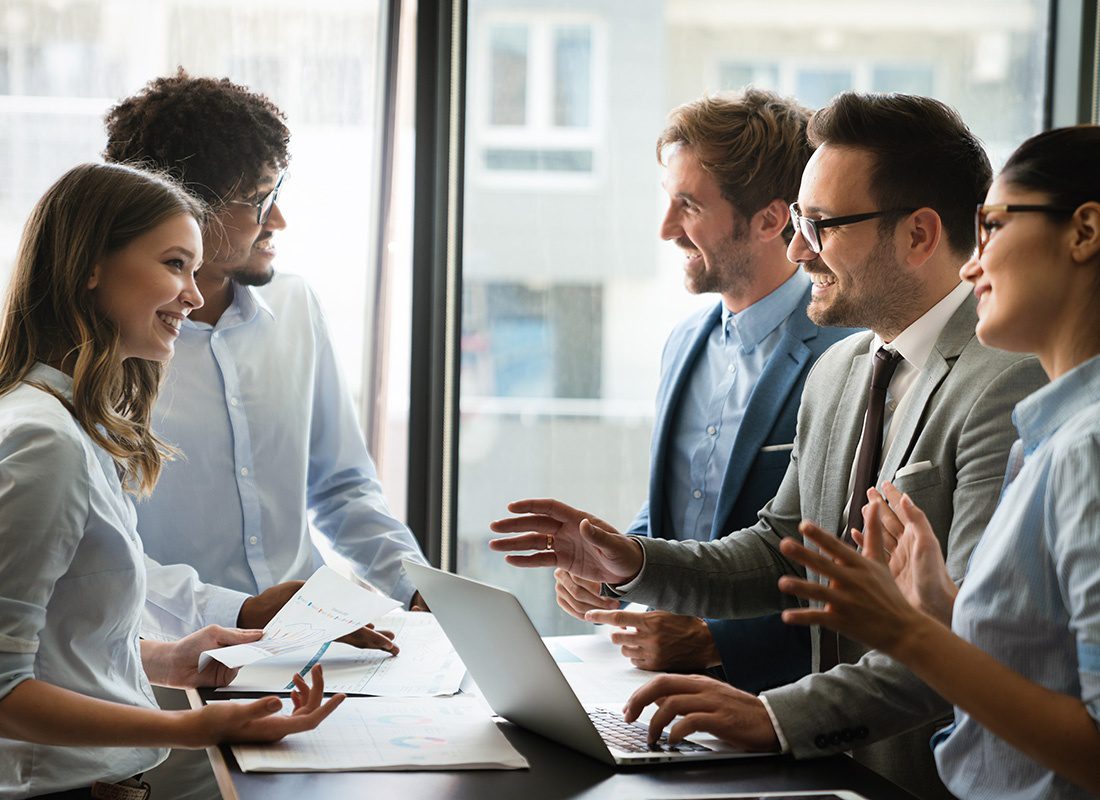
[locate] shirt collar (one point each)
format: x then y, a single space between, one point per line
916 342
53 378
247 302
1039 415
750 326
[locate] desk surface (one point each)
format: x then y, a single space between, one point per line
556 773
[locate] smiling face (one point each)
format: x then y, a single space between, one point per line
239 248
1024 280
148 287
858 279
706 227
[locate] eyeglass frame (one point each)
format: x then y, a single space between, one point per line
1009 208
818 225
273 195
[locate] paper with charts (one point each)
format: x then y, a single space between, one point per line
325 608
390 734
427 665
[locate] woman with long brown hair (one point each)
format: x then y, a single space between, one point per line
103 279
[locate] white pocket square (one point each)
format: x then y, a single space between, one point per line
777 448
913 469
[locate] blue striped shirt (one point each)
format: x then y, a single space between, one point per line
1031 597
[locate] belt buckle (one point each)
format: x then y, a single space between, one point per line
132 789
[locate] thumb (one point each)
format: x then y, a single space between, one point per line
597 535
229 636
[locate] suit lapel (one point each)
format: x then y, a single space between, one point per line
681 372
958 331
766 403
843 440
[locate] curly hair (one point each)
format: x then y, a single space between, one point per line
50 315
212 135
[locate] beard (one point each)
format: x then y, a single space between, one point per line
249 275
881 298
728 270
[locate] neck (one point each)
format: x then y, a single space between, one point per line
217 294
769 271
936 284
1073 339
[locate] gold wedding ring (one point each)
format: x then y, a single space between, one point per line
549 541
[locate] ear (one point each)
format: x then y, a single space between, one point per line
770 221
922 232
93 279
1085 244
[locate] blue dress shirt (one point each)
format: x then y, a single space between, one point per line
271 442
72 584
1031 597
714 401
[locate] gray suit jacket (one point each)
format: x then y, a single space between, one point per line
958 420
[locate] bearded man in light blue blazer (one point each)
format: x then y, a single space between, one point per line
731 374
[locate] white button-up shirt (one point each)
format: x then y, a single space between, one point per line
72 584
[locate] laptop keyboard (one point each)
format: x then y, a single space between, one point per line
631 737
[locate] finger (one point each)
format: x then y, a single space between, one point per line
522 541
873 547
529 524
892 495
808 616
807 590
887 515
810 559
230 636
828 544
654 691
605 540
568 604
911 514
367 639
625 638
547 558
698 722
542 505
633 619
585 592
673 706
857 537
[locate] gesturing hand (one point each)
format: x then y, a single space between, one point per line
565 537
258 721
176 664
578 596
706 705
661 640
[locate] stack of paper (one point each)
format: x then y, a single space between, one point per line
390 734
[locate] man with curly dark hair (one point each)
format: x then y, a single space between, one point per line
254 397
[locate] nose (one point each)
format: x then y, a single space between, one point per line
670 225
191 297
798 251
971 270
275 220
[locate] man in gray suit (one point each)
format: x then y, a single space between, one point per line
885 220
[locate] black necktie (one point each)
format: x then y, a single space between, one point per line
870 450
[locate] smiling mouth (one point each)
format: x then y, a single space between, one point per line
822 280
172 322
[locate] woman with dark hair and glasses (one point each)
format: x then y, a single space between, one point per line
1017 647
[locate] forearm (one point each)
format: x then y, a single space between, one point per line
39 712
1049 727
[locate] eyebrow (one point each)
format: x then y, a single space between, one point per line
178 249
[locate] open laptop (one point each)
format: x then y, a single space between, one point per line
522 683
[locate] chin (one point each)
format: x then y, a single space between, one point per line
253 276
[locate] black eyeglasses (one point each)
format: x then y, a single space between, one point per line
264 205
983 230
811 228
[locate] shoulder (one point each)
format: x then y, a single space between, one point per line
839 355
990 372
288 292
39 437
690 326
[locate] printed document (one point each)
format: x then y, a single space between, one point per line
390 734
325 608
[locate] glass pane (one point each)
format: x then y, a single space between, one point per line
573 79
508 75
569 291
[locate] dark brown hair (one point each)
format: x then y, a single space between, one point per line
753 142
924 156
214 136
1063 163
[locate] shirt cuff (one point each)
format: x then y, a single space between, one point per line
784 748
630 585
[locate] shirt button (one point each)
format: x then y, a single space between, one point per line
214 335
233 401
711 430
244 471
696 494
253 539
731 368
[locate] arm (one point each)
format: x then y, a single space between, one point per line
36 711
177 602
344 493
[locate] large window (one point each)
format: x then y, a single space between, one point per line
568 291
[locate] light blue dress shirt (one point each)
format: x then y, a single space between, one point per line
714 402
259 407
1031 597
72 584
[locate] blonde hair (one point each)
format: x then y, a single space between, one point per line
50 315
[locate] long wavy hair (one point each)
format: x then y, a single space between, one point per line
50 314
